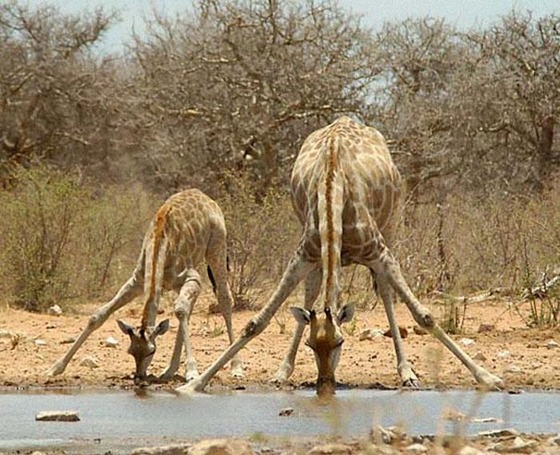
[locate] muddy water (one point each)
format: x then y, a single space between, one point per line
121 420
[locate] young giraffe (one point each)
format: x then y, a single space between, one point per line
187 229
345 190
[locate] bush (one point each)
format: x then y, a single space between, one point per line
263 233
62 240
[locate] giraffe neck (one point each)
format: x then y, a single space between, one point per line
148 315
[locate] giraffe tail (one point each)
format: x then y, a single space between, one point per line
330 205
156 252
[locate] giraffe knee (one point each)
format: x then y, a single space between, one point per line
425 320
253 328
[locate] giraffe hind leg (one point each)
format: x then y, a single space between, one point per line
388 266
217 272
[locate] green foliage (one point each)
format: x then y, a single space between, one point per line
61 240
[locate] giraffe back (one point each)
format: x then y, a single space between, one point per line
356 160
184 229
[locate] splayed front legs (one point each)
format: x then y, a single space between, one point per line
297 269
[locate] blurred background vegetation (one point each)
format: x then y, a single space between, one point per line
222 98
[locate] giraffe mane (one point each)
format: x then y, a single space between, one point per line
160 222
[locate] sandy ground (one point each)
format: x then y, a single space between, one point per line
526 358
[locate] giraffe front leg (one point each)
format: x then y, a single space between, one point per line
312 288
406 373
184 304
131 289
297 269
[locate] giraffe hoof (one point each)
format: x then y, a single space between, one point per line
191 376
54 371
190 388
411 383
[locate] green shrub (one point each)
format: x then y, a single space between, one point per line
63 241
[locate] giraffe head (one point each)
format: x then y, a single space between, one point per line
143 346
325 339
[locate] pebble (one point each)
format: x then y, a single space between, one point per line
466 341
479 356
331 449
90 362
39 342
369 334
171 449
55 310
111 342
57 416
416 448
483 328
286 412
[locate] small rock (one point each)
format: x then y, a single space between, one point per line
90 362
369 334
221 447
57 416
551 344
416 448
419 330
55 310
286 412
484 420
484 328
504 354
171 449
509 432
513 369
39 342
479 356
519 445
387 435
466 341
468 450
68 340
402 331
331 449
6 333
111 342
554 440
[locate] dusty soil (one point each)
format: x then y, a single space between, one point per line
526 358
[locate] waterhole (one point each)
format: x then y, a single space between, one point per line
125 419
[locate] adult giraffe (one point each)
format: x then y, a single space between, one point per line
345 190
186 230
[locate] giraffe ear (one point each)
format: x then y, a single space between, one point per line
127 329
302 316
162 327
346 313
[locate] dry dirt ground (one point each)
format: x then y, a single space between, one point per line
526 358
